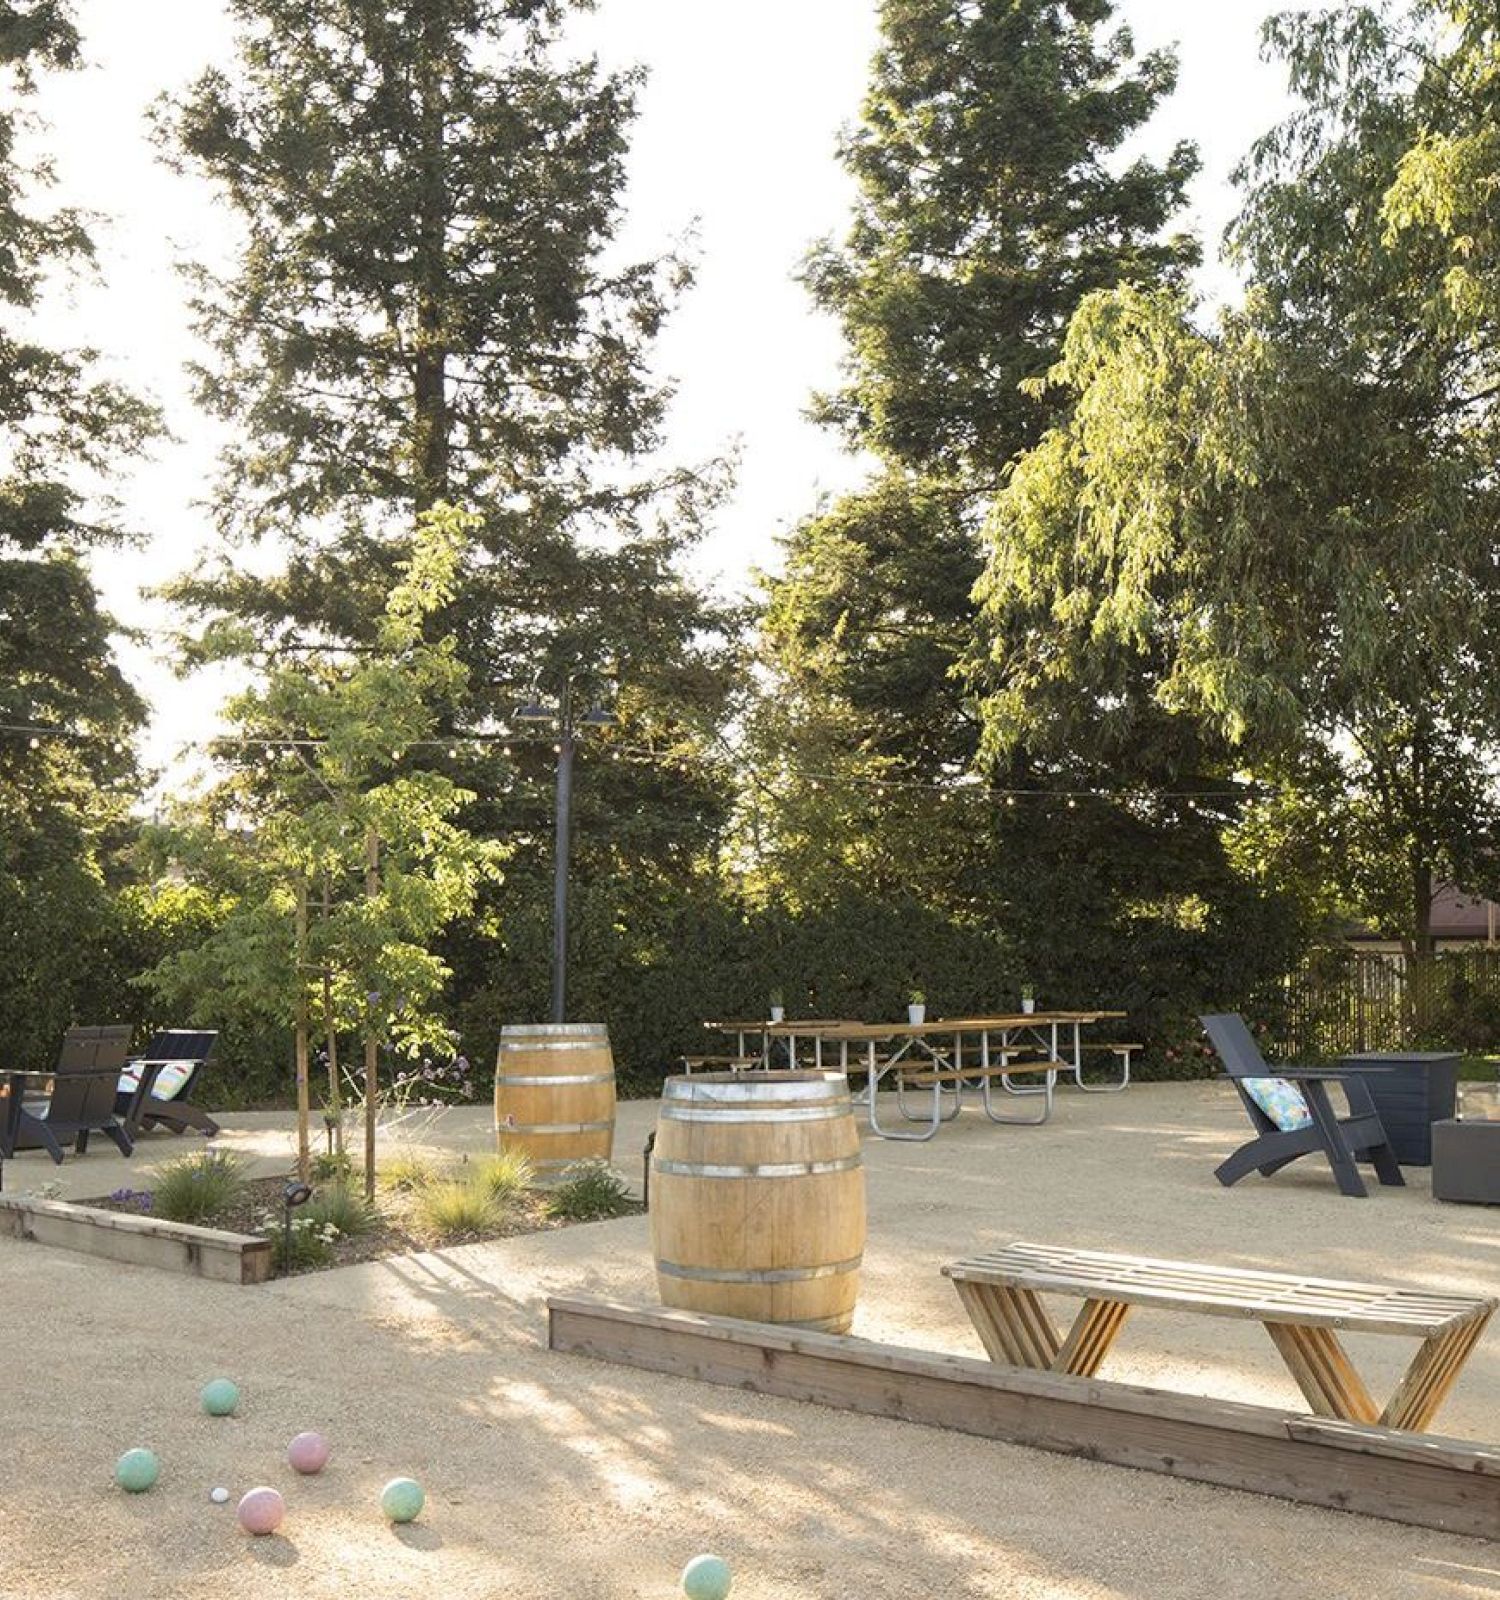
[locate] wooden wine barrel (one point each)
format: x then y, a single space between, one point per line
555 1093
758 1197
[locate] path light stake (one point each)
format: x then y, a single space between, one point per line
294 1195
646 1172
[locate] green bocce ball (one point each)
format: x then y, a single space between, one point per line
137 1470
402 1499
219 1396
706 1578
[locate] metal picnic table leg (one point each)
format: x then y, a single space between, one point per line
1097 1088
938 1062
1007 1050
876 1073
1049 1079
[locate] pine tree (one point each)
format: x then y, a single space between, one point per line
428 306
989 206
63 793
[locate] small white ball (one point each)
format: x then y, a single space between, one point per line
218 1496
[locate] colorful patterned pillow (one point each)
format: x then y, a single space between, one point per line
170 1081
173 1079
1283 1102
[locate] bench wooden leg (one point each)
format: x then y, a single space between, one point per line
1012 1324
1433 1372
1324 1372
1094 1331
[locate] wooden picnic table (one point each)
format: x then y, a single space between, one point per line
933 1055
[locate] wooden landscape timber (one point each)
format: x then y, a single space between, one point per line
138 1241
1420 1479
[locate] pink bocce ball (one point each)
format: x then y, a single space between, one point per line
261 1511
308 1452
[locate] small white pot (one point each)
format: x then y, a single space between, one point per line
1027 1007
916 1015
777 1013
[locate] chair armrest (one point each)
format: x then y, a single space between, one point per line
52 1072
1320 1074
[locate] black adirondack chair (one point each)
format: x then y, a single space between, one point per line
1340 1139
138 1100
82 1100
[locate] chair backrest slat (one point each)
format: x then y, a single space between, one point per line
180 1044
89 1100
1236 1046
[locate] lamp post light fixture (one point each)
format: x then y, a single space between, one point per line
561 717
295 1194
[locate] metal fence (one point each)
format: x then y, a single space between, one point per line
1342 1002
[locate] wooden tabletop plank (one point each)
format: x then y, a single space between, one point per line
1223 1291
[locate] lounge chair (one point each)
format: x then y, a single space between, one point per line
155 1090
82 1100
1293 1117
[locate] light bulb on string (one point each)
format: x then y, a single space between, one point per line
36 744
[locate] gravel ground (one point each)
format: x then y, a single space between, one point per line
554 1476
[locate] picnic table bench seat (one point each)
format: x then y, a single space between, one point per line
733 1063
1303 1315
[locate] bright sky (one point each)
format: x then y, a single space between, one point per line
737 132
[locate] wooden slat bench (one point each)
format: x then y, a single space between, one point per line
1303 1316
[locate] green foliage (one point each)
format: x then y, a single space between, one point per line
450 1212
335 1166
311 1244
405 1170
339 1206
589 1192
63 432
1278 534
506 1176
202 1188
309 815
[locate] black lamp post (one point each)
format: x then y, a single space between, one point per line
562 717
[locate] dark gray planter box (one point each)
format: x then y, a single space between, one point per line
1411 1090
1466 1162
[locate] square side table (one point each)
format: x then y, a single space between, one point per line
1466 1162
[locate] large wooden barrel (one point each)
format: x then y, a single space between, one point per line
555 1093
758 1197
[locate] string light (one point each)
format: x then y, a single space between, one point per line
727 761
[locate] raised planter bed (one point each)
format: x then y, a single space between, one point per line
138 1241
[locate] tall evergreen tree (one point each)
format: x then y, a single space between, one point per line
428 306
63 796
990 203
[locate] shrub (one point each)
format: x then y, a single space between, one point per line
312 1243
506 1176
333 1167
200 1188
340 1207
449 1211
589 1191
406 1171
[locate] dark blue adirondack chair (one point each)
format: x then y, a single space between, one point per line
81 1101
1293 1116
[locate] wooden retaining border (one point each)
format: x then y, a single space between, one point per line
138 1241
1416 1478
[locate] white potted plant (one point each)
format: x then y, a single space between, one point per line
916 1008
1028 998
778 1005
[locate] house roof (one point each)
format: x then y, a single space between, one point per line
1455 915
